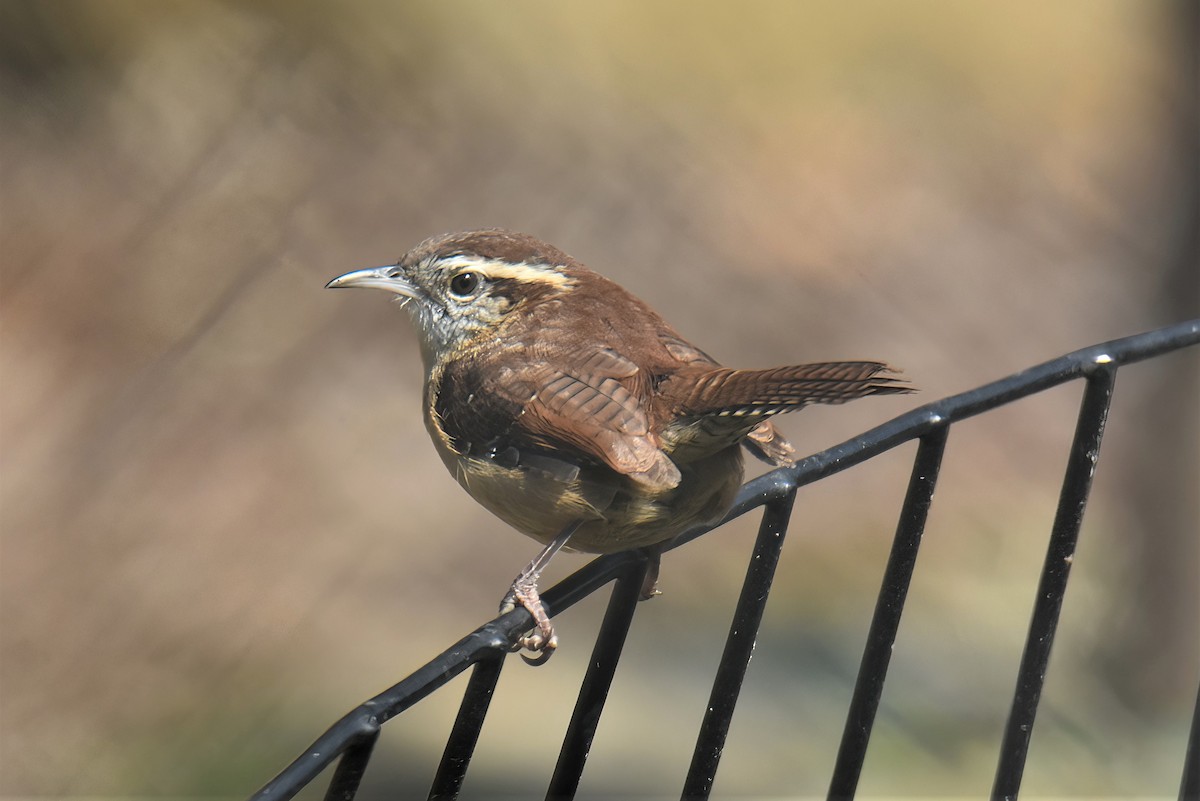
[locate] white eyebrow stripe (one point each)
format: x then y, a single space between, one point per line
522 271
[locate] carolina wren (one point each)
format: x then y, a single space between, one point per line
572 411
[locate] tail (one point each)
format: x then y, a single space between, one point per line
755 394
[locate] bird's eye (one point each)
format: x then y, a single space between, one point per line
465 284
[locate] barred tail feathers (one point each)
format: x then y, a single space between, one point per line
724 392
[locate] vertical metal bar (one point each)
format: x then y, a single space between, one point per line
350 769
1189 787
596 682
460 746
1077 483
889 606
731 671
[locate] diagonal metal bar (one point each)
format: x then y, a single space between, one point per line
1031 676
1189 786
351 767
596 683
889 606
731 671
460 746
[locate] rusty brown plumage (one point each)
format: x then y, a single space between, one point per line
573 411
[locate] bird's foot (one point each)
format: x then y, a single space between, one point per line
541 640
650 580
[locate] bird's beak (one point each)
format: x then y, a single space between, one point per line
375 278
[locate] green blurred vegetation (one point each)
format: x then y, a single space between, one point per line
222 523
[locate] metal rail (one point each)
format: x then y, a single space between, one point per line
350 741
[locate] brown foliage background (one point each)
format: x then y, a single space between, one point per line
222 524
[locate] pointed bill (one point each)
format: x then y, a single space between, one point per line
384 278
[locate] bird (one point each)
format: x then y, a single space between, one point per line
575 413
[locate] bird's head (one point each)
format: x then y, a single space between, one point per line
461 289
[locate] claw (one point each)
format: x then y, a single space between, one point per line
542 658
508 603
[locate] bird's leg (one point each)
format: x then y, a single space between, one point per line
650 582
524 591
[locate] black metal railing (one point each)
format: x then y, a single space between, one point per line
351 740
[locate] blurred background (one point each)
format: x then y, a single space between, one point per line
223 524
